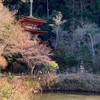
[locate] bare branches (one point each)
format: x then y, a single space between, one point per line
32 52
57 29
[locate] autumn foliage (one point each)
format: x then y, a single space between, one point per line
3 63
13 39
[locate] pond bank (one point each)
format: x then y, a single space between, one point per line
23 86
77 82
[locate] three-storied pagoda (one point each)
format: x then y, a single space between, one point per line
31 23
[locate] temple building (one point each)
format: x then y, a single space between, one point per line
32 24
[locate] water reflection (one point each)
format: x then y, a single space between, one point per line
63 96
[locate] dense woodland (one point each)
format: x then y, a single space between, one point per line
65 58
73 33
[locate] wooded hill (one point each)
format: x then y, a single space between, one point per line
73 29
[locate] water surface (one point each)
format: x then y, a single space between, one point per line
64 96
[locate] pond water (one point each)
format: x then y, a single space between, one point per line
65 96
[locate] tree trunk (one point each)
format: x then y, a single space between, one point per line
57 36
81 5
93 52
92 44
73 7
11 69
0 70
2 49
47 9
32 69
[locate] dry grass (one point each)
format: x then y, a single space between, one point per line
48 81
22 87
16 88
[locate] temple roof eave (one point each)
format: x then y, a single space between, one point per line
40 32
32 20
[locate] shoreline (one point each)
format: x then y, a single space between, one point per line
71 91
26 85
88 83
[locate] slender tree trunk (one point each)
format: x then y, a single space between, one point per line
0 70
2 49
11 69
93 52
81 4
73 9
57 36
92 44
32 69
47 9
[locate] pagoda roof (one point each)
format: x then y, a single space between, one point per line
33 31
31 20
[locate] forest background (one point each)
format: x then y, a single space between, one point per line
73 30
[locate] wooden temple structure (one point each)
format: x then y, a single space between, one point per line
32 25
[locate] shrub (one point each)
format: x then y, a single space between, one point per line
51 66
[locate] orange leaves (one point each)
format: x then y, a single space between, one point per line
3 63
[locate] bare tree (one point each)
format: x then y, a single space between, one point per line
33 52
57 27
87 34
13 39
89 29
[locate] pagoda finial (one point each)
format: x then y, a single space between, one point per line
31 7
